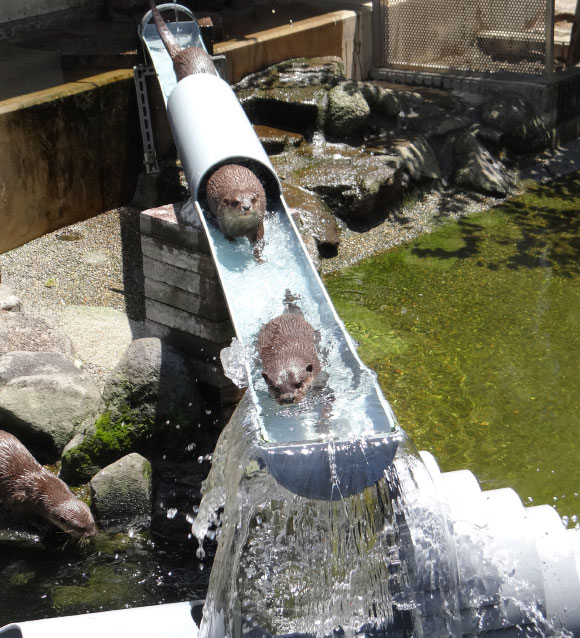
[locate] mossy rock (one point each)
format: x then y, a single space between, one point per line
151 406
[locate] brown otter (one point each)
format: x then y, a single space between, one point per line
186 61
234 194
236 198
32 491
287 347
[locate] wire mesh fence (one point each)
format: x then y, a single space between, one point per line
484 36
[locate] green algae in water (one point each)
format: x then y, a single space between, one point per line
474 332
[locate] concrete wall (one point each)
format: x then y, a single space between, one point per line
11 10
67 154
346 34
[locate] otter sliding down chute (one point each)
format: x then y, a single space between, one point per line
347 420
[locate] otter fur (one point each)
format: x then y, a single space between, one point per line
236 198
188 61
30 490
287 348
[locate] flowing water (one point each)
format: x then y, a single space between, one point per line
292 565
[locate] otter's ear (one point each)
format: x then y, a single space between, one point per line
265 377
309 368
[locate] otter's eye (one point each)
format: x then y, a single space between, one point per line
309 368
234 202
298 385
226 201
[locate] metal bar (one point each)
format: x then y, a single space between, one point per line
549 39
140 74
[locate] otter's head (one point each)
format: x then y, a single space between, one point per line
240 212
73 517
290 381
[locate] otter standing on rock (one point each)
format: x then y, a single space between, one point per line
32 491
186 61
287 347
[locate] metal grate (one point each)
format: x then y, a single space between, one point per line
484 36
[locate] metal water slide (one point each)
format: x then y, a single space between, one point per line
210 129
515 569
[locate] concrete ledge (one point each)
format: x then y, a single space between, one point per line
67 154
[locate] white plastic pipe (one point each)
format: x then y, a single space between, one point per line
210 128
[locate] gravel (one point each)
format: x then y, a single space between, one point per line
97 262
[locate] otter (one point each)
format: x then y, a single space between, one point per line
287 347
188 61
236 198
30 490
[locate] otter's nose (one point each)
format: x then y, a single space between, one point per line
286 398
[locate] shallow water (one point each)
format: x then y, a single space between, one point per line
474 331
114 571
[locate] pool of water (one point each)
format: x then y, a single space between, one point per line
474 332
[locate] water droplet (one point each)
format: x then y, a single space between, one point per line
200 553
171 512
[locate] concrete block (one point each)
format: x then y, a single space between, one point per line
178 298
163 223
180 257
184 279
194 346
217 332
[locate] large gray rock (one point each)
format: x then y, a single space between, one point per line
522 129
416 157
151 405
121 492
356 188
348 112
315 219
381 100
44 400
476 169
298 72
19 331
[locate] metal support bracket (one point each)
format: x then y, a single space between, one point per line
140 73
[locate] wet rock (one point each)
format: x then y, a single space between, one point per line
381 100
434 113
298 72
477 169
355 188
309 243
8 300
348 112
19 331
416 157
275 140
121 492
300 110
315 219
151 405
523 130
45 400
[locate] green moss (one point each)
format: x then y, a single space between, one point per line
473 331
